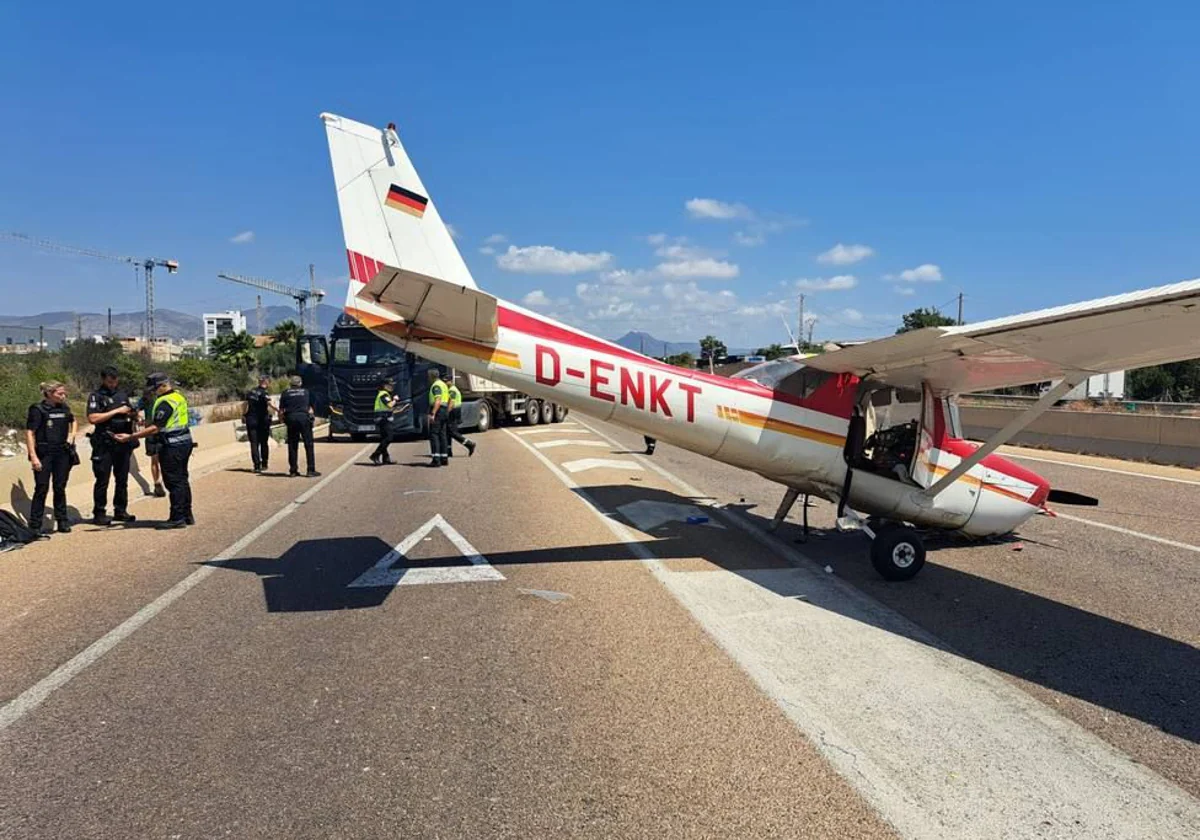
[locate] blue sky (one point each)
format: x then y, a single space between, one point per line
1024 154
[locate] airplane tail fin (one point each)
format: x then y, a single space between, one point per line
388 219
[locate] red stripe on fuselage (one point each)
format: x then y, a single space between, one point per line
835 397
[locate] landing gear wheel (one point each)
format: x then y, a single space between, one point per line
560 413
897 553
533 412
547 412
485 417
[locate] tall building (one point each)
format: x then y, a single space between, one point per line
222 323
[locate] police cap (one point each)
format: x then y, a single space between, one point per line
156 379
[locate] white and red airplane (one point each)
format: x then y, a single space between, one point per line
872 428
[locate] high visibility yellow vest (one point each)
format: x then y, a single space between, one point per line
381 406
176 429
437 391
455 396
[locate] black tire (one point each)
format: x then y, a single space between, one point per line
358 437
897 553
485 416
533 412
547 413
560 413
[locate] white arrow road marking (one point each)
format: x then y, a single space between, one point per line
553 431
551 444
382 573
592 463
647 515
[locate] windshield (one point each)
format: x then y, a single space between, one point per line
770 374
787 376
366 351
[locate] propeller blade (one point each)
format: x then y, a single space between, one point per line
1066 497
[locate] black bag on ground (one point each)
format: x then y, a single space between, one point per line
14 530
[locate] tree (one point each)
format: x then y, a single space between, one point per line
921 318
194 373
772 352
683 360
233 349
276 359
286 332
84 359
712 348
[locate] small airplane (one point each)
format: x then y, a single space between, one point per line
873 428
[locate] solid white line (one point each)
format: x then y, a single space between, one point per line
552 444
600 463
34 696
1007 454
1127 532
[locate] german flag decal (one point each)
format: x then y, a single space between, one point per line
406 200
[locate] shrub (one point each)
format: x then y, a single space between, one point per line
194 373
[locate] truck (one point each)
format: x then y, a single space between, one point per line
343 372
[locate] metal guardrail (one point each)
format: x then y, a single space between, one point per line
1167 409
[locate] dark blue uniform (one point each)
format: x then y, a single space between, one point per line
109 458
258 426
294 405
51 425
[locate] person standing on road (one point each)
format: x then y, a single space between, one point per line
650 444
295 406
111 413
258 423
452 421
49 439
385 402
169 428
146 406
439 412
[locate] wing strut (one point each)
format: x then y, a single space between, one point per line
1004 435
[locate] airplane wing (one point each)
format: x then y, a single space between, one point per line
1132 330
434 305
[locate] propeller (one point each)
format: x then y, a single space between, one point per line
1066 497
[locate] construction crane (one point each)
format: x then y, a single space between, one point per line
147 264
301 296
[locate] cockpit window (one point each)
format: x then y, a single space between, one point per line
786 376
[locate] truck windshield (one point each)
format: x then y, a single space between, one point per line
366 352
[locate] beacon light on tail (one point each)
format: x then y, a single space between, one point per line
872 428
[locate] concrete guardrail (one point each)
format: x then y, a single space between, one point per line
1157 439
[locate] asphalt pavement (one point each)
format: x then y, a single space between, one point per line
558 637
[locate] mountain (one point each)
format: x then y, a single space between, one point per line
167 322
643 342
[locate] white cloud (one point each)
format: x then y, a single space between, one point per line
841 254
852 315
706 267
452 229
750 240
495 239
924 273
907 291
833 284
657 238
711 208
242 238
637 278
680 251
536 298
545 259
487 249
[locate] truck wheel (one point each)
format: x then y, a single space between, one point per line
533 412
485 416
358 437
547 413
560 413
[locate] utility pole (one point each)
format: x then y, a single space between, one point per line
800 332
78 327
41 337
960 298
110 335
258 313
812 322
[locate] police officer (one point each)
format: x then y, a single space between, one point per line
146 407
385 402
168 427
295 406
439 412
258 423
455 417
110 413
49 441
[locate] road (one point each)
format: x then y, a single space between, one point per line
557 651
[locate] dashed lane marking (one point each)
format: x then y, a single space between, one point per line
553 444
524 432
597 463
37 694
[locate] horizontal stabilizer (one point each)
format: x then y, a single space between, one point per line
433 305
1138 329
